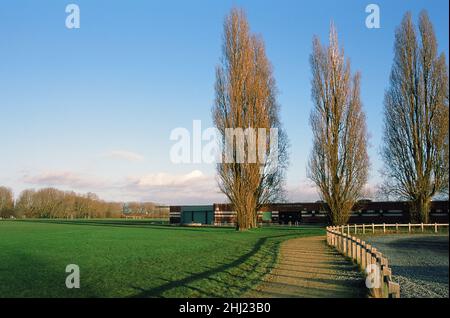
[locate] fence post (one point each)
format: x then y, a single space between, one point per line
364 228
348 229
385 277
379 264
363 255
344 247
384 228
356 229
339 239
435 228
421 225
373 228
331 236
345 244
358 251
373 262
385 261
394 289
396 227
354 248
368 255
350 247
334 237
409 227
328 235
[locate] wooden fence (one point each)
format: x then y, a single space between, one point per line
367 257
392 228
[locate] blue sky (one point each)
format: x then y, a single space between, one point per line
91 109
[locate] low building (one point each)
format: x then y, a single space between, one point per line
307 213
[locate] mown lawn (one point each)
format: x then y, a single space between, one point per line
134 258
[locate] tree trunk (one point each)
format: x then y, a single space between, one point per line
245 218
420 209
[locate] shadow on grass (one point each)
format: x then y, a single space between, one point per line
119 224
153 225
224 269
229 278
31 276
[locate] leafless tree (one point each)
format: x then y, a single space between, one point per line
6 202
415 149
25 204
339 162
246 99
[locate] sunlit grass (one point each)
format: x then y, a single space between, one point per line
133 258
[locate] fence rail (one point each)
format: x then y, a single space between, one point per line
371 228
368 257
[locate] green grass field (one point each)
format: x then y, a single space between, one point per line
133 258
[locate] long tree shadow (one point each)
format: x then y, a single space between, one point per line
187 281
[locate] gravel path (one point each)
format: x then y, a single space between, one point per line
307 267
419 263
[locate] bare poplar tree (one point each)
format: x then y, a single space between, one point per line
245 100
339 162
415 149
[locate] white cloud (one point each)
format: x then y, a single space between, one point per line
165 179
190 188
125 155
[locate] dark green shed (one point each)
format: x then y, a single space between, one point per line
203 214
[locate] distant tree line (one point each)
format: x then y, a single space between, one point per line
54 203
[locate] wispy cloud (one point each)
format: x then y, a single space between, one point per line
125 155
304 191
307 191
64 178
166 179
